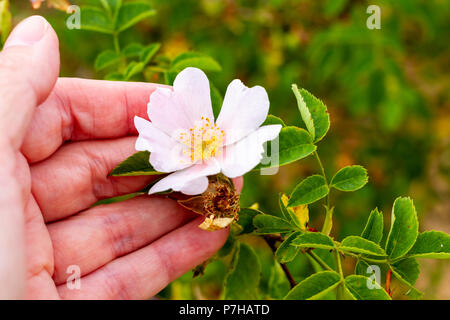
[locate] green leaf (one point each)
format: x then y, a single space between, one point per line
284 212
131 13
362 268
5 20
373 230
431 244
246 216
334 7
286 251
133 50
119 198
149 52
112 7
404 228
196 60
266 224
124 197
308 191
359 288
228 246
105 59
278 285
313 240
271 119
315 286
105 4
133 69
304 112
317 111
169 77
95 19
347 295
136 165
407 271
350 178
288 214
293 144
360 245
243 278
327 256
114 76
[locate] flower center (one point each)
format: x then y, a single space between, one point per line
203 141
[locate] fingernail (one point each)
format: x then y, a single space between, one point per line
28 32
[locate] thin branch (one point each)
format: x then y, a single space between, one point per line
270 240
319 260
327 224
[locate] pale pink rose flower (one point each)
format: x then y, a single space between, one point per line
184 138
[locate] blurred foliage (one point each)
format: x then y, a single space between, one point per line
387 91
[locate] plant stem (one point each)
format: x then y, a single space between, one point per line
319 260
340 291
123 62
316 154
116 43
338 261
367 259
271 243
321 166
328 222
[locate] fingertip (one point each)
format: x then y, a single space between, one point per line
46 57
29 68
31 57
32 49
28 32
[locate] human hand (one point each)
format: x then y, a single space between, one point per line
59 138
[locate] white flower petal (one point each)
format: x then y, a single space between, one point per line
192 85
178 109
181 180
243 111
242 156
166 153
195 186
167 112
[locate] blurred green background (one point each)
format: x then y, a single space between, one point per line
387 92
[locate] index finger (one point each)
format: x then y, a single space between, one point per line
81 109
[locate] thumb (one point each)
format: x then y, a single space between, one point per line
29 68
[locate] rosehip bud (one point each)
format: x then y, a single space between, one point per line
219 203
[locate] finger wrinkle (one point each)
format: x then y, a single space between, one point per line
100 186
116 286
119 234
65 115
80 119
167 265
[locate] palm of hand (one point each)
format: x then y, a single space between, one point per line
124 250
59 139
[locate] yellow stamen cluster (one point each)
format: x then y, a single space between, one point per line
203 141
